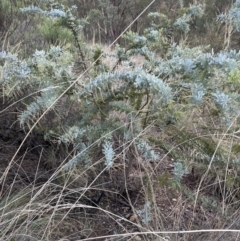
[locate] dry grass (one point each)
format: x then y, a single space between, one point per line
62 207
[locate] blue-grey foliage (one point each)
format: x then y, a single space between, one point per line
195 10
105 106
183 22
72 135
138 79
40 104
108 153
222 100
179 170
57 13
81 157
32 9
198 92
145 213
146 151
232 17
53 13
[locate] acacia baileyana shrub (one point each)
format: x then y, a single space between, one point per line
108 107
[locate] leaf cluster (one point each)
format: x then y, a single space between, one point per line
109 110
